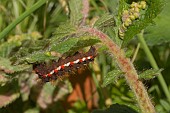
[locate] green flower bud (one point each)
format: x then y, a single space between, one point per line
136 9
143 4
134 4
127 22
132 17
136 15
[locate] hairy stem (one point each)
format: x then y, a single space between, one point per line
85 11
127 67
21 18
154 65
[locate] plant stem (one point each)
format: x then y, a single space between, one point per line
21 17
153 64
127 67
85 11
136 52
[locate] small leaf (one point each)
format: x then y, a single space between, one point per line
85 41
3 79
5 65
75 11
78 107
38 57
63 32
129 52
105 21
149 74
116 108
111 77
22 67
64 46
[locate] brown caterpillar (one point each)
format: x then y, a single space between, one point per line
64 66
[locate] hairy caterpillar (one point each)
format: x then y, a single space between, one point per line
64 66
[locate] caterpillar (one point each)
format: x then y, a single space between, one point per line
64 66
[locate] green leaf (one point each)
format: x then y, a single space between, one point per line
3 79
26 81
5 65
19 68
69 45
78 107
63 39
48 88
122 6
116 108
63 32
38 57
75 11
129 53
165 104
159 33
111 77
154 8
46 95
73 44
84 41
64 46
6 48
29 47
105 21
149 74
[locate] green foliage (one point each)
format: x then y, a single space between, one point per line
153 9
105 21
111 77
47 88
7 47
64 46
4 78
21 17
165 104
84 41
63 32
158 33
79 106
71 44
37 57
75 11
149 74
49 29
116 108
7 67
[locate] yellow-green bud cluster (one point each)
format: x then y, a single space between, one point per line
128 16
